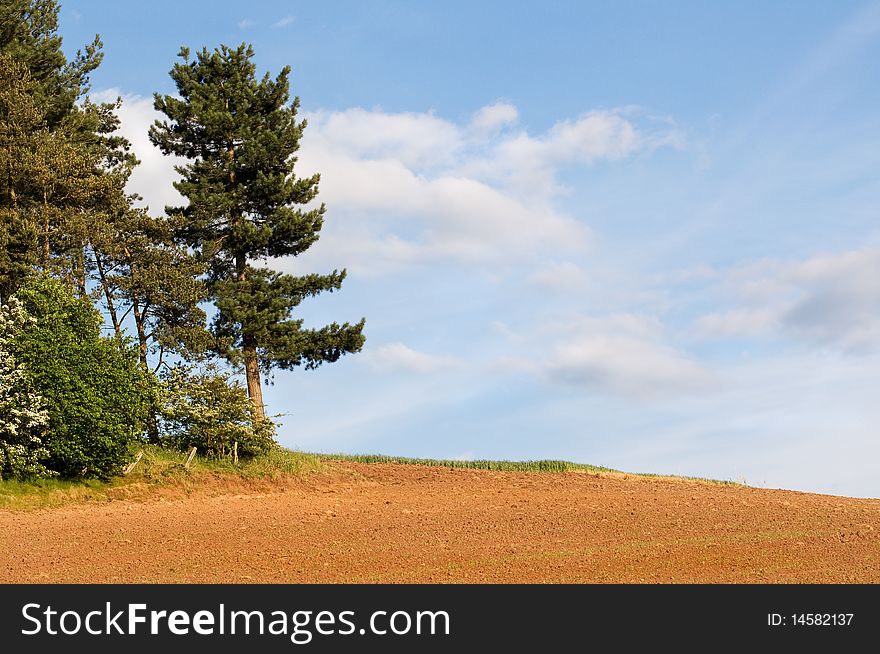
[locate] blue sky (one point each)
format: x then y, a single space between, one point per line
639 234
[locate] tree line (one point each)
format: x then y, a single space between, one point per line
79 257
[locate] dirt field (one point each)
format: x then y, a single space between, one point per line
396 523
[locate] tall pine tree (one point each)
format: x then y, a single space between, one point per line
62 168
29 34
246 205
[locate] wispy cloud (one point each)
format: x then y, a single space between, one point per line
283 22
245 23
397 357
621 354
828 300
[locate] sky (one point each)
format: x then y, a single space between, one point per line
639 234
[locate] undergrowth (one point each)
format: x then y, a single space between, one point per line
161 470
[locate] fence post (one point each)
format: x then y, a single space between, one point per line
131 465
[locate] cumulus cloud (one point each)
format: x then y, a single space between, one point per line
494 117
153 179
829 299
412 188
527 165
472 193
382 202
414 140
623 354
397 357
599 134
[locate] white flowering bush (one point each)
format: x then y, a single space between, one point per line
206 409
23 415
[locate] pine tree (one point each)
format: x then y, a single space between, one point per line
29 35
144 274
61 167
22 144
246 205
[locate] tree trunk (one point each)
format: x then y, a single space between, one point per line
81 271
139 319
252 372
108 294
249 352
45 261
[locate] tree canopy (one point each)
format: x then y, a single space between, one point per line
79 258
246 206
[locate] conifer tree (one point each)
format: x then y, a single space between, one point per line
246 206
61 167
144 274
29 35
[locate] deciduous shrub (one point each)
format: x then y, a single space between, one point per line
205 408
96 394
23 415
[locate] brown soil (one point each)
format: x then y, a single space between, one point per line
403 523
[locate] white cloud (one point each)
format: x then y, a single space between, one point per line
153 179
245 23
283 22
625 364
828 299
736 322
560 276
414 140
435 190
411 188
397 357
623 354
839 300
527 165
494 117
595 135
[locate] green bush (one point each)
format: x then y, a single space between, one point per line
208 410
96 394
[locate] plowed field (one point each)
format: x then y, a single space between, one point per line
406 523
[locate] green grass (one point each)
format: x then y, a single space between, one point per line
161 470
507 466
280 462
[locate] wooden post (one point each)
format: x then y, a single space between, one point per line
235 453
192 454
131 465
